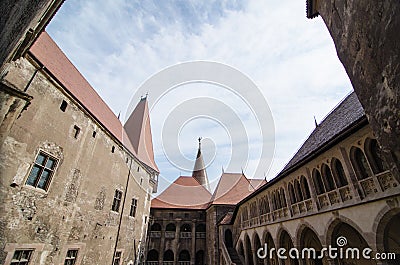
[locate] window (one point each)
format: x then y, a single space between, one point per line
21 257
71 257
319 186
117 200
133 208
42 171
94 134
117 258
76 131
338 172
63 106
113 149
186 215
360 164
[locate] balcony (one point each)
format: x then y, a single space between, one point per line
151 262
200 234
167 263
169 234
155 234
302 207
184 262
186 234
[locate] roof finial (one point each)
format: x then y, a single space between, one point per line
199 142
315 121
223 171
242 171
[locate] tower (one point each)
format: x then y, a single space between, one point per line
199 171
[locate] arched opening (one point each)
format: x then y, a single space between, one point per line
199 257
338 173
391 238
297 190
249 252
291 193
319 185
168 255
327 177
282 197
257 245
241 250
155 227
200 228
286 243
186 228
305 187
184 255
360 163
228 238
152 255
310 241
375 157
349 238
270 260
170 227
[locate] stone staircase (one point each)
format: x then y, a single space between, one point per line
234 256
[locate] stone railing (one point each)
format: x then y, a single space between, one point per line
186 234
386 180
169 234
302 207
151 262
280 213
200 234
225 254
184 262
168 263
155 234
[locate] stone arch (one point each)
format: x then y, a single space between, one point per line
168 255
305 187
298 192
374 155
308 239
388 232
360 163
354 239
170 227
338 173
152 255
228 238
199 259
184 255
240 249
186 227
248 250
318 183
327 177
257 244
269 240
291 193
155 227
200 227
286 242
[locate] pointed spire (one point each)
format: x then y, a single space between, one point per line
223 170
199 170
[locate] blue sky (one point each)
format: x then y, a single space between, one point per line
117 45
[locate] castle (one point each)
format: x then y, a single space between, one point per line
75 182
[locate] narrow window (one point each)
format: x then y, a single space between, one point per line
117 258
113 149
338 172
63 106
42 171
117 200
133 208
22 256
76 131
94 134
71 257
141 181
319 185
145 219
360 164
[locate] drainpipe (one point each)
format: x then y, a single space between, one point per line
122 212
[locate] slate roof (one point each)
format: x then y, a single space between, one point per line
184 193
46 51
343 116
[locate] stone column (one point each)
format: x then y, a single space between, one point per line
193 244
313 192
162 241
352 179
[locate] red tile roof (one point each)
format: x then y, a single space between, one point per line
231 188
46 51
183 193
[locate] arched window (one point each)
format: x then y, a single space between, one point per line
327 177
360 163
168 255
282 197
184 255
374 155
155 227
152 255
200 228
291 193
338 173
319 185
267 204
305 188
186 228
297 191
170 227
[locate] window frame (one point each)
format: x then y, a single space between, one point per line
132 211
74 259
117 201
42 168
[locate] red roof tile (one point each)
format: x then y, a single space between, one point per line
231 188
183 193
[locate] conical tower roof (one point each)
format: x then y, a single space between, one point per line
138 129
199 170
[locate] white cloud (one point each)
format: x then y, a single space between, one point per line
117 45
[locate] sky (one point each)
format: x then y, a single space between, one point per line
119 44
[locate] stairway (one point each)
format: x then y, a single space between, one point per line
234 256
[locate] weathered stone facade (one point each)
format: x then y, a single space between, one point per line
73 211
